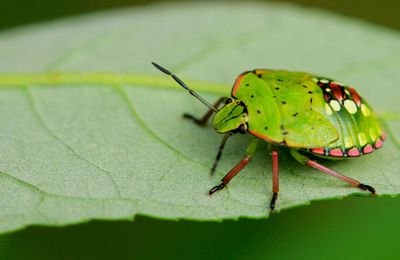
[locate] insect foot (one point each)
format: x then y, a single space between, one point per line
216 188
195 120
367 187
273 200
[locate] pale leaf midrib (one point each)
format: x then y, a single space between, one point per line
103 78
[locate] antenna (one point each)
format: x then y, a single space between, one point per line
180 82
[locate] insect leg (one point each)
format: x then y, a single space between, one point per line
304 160
275 178
251 149
221 148
203 120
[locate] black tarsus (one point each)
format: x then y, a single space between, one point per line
367 187
273 200
216 188
189 116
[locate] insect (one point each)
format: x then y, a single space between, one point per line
310 115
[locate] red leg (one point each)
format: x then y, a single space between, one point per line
305 160
340 176
275 179
204 119
251 149
232 173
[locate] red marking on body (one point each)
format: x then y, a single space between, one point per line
261 136
368 149
237 83
336 152
337 91
383 136
378 143
353 152
318 151
321 84
327 97
355 96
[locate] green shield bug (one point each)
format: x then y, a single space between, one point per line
312 116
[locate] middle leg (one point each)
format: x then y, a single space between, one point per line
275 179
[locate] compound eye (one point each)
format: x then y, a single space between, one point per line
229 100
242 129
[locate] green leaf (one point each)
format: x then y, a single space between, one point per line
90 130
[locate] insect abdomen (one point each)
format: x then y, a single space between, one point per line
358 128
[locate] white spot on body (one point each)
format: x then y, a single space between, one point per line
325 81
365 110
328 90
347 92
350 106
335 105
362 139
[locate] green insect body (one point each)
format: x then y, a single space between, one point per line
310 115
302 111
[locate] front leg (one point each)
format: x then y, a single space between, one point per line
204 119
251 149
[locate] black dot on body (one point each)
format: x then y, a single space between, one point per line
310 92
279 79
304 86
277 88
247 84
258 111
252 96
310 100
283 102
266 128
295 114
259 75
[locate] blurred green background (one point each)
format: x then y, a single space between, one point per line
19 12
353 228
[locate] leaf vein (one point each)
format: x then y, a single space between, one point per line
120 90
41 120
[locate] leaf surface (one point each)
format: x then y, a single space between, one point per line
90 130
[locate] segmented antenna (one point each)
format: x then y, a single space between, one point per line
180 82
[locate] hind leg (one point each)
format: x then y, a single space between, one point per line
307 161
